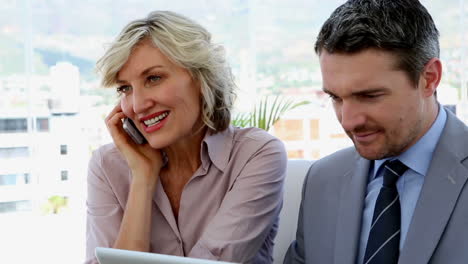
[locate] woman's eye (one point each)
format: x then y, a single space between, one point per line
154 78
123 89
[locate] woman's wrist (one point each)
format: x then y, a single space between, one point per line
145 180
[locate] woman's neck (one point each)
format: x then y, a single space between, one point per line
185 154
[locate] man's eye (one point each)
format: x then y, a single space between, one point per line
123 89
333 97
370 96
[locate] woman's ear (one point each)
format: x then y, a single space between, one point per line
430 77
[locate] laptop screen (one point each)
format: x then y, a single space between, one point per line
119 256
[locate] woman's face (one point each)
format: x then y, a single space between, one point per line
159 96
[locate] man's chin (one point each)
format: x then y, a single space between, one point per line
371 154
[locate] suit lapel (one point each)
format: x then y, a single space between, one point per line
442 186
348 228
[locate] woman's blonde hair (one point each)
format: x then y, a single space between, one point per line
187 44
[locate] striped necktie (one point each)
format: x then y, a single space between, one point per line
384 236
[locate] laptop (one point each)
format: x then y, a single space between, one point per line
119 256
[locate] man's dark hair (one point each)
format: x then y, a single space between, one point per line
403 27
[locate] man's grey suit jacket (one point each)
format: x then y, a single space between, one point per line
329 224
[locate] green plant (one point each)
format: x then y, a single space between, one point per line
266 112
55 204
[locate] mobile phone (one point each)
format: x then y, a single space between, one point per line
132 131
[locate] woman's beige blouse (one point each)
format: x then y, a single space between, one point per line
228 210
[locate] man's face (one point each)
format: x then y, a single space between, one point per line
378 106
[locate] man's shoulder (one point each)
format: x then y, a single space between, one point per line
331 168
454 137
339 159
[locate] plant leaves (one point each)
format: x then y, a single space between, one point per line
267 112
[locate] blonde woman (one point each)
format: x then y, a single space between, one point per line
198 187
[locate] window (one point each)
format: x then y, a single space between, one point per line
314 129
296 154
64 175
63 150
9 179
10 125
42 124
16 206
13 152
27 178
290 129
14 179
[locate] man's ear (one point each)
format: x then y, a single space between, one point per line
430 77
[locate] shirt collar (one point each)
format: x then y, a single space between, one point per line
418 157
217 147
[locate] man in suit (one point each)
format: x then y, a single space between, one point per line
380 66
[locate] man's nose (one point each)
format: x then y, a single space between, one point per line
352 116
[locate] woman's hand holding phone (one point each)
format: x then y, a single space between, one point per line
145 164
144 161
